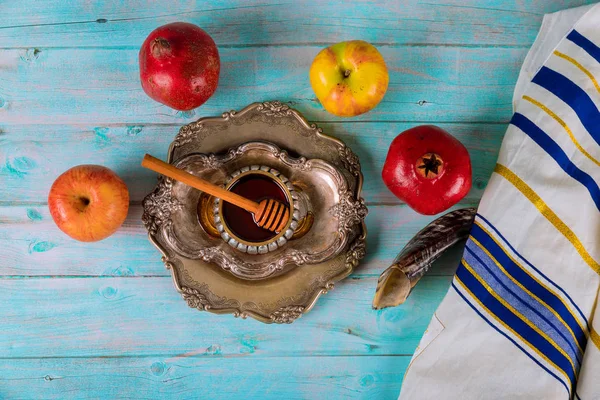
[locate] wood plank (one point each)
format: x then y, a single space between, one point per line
32 156
32 245
93 317
436 84
69 23
207 378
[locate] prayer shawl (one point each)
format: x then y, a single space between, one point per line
519 320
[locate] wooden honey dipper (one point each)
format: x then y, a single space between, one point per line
269 214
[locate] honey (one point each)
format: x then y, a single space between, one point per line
255 187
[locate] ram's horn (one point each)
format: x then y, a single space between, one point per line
415 259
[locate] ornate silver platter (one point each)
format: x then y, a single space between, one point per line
270 294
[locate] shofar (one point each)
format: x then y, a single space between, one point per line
415 259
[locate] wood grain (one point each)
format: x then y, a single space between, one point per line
92 317
32 156
431 83
255 22
32 245
214 377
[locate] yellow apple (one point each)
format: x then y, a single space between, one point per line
88 202
349 78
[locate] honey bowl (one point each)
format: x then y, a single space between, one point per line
238 228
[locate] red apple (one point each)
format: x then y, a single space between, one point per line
88 202
179 65
349 78
427 168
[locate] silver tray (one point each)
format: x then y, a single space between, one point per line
282 298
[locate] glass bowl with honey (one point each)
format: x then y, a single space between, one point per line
238 227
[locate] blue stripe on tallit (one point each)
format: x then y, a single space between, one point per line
528 334
561 158
550 298
527 281
585 44
527 306
574 96
510 339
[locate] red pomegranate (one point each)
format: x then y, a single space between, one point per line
179 65
427 168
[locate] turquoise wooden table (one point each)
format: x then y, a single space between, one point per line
103 320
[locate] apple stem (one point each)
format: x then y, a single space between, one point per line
347 73
160 46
